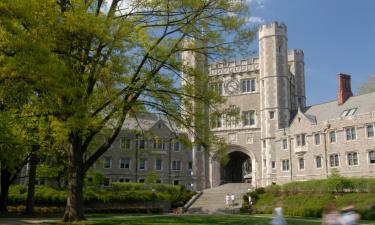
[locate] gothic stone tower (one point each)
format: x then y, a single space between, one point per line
275 91
197 63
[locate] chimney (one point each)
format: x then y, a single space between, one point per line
344 91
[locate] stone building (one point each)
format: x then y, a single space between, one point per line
276 138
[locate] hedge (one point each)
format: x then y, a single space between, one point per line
118 193
308 198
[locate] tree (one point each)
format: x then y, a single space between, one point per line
94 64
368 86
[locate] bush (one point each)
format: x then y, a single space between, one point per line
118 193
308 198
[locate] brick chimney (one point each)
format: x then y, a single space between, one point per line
344 90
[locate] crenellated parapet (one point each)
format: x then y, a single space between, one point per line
222 68
296 55
272 29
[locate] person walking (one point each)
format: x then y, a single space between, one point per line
330 215
227 197
349 216
278 218
232 198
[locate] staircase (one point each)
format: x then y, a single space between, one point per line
212 201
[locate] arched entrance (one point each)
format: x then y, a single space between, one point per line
238 168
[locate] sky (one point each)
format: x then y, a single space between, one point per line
337 36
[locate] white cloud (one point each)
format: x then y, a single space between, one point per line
255 19
256 3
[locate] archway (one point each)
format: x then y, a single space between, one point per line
238 169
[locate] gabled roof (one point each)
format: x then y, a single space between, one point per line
332 110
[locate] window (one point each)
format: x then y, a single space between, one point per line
141 180
190 165
159 144
158 181
125 143
107 162
370 131
317 139
141 144
318 161
158 164
285 143
106 182
273 164
301 163
124 163
248 118
332 136
301 139
248 85
142 164
264 163
176 146
348 112
334 160
264 143
216 121
176 165
350 133
121 180
176 182
285 164
352 159
272 114
371 157
217 87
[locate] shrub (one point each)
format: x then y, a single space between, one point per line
118 193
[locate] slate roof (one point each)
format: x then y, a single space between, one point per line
331 110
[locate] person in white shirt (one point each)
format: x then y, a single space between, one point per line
232 197
227 200
278 218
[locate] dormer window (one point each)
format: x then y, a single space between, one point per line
348 112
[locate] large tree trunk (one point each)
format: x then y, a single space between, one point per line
31 183
5 183
76 174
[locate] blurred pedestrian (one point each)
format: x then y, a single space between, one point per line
232 198
330 215
278 218
349 216
227 197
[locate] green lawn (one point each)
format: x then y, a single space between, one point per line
194 220
110 219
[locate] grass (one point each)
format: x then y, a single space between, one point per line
193 220
113 219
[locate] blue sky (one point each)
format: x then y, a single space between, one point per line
335 35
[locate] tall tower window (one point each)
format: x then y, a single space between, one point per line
272 114
248 118
248 85
216 121
217 87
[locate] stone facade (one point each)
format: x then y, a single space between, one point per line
282 139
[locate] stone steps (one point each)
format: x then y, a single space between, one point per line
212 201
